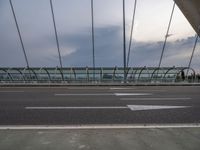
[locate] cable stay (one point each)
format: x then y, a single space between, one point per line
167 35
93 44
56 35
192 55
124 40
131 35
19 33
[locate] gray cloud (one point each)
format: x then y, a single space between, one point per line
76 50
74 33
108 47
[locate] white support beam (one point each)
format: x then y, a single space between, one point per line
191 10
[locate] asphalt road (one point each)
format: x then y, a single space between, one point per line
99 105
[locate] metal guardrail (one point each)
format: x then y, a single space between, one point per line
100 75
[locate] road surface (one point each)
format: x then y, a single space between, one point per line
100 105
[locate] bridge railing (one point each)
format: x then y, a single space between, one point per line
99 75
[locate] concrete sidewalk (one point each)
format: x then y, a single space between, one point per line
101 139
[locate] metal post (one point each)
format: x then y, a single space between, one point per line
124 40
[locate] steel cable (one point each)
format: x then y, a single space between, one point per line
131 35
166 36
93 44
19 33
192 55
56 35
124 39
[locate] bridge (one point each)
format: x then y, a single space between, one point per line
92 107
128 73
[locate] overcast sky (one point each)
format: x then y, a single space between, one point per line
73 20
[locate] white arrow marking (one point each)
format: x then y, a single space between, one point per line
131 107
153 107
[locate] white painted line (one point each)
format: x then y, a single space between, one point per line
89 94
104 94
150 90
115 88
156 99
92 127
132 94
153 107
140 90
87 88
11 91
57 108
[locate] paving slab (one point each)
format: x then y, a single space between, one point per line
101 139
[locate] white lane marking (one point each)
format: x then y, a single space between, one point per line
11 91
132 94
153 107
88 127
115 88
150 90
57 108
140 90
156 99
89 94
104 94
87 88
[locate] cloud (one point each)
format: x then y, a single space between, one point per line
177 53
108 47
73 21
76 50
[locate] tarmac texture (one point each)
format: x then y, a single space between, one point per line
99 105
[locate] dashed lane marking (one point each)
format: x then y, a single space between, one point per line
156 98
84 94
11 91
132 94
104 94
122 88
